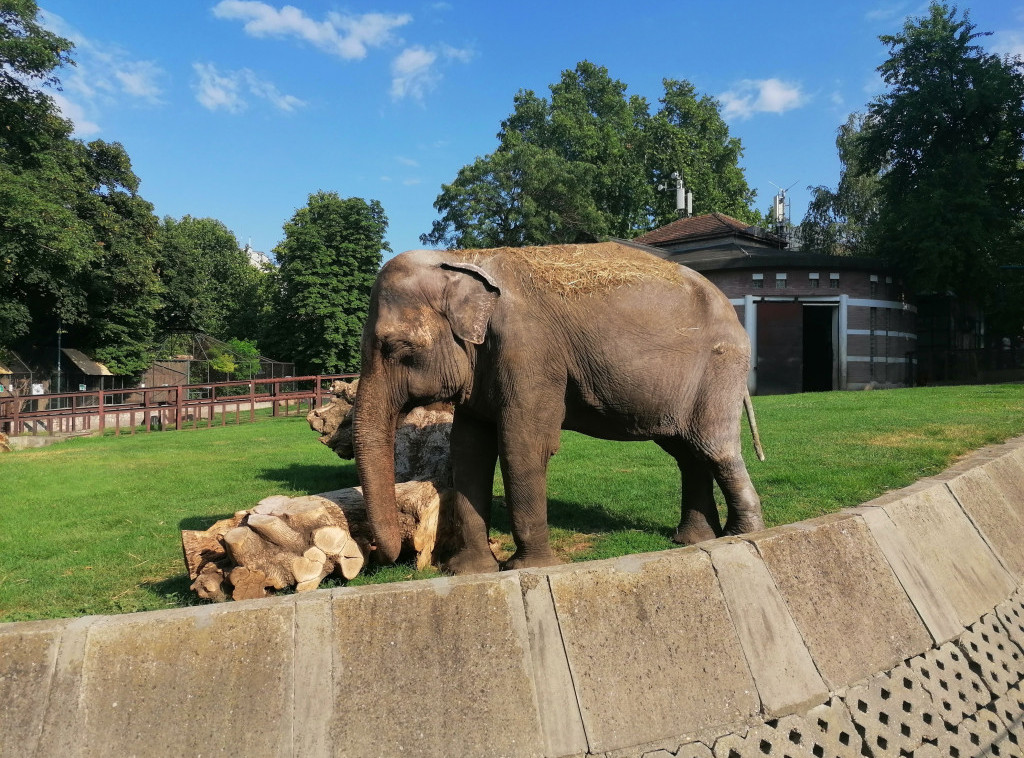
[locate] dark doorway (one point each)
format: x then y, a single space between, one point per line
818 356
779 341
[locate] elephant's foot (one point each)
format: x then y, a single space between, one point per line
744 525
533 560
466 562
691 534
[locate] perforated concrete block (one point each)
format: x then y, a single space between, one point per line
1000 522
848 605
973 737
28 654
893 712
447 670
782 739
831 731
1010 708
946 675
999 660
1011 613
949 547
651 647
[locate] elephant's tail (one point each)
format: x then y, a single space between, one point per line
749 407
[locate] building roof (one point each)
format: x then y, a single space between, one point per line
85 364
708 226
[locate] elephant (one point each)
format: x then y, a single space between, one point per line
605 339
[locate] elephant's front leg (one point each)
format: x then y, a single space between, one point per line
527 442
474 448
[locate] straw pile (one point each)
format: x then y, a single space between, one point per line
574 271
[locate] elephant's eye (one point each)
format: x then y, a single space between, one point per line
396 349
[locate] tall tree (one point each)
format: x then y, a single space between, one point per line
586 164
946 142
840 221
328 261
76 239
29 56
209 284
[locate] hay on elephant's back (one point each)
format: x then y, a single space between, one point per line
572 271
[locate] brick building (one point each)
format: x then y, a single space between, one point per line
815 322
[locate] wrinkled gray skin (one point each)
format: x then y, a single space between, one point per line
658 361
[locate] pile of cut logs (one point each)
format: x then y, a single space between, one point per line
298 541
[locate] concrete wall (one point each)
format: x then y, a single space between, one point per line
895 626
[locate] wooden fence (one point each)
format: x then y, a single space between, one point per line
149 409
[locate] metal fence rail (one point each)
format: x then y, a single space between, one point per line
148 409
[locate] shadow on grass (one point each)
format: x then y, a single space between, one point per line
175 589
312 479
589 518
201 523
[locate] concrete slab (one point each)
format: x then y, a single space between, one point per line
783 670
1000 523
651 647
556 696
440 667
1007 473
28 656
951 550
208 680
922 587
313 656
64 720
843 596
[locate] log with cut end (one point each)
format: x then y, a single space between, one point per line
298 542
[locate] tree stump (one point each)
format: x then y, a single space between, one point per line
297 542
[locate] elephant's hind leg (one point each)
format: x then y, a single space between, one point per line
698 520
741 499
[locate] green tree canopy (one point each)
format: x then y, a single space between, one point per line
586 165
29 55
839 222
946 143
209 284
327 261
77 242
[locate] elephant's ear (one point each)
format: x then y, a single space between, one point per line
469 300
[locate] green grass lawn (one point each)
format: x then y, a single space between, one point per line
92 525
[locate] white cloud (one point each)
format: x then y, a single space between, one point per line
414 73
83 125
406 161
225 91
106 76
752 96
216 92
411 182
340 34
106 69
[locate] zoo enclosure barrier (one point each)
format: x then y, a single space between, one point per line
148 409
988 365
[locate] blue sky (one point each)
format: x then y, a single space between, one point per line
239 109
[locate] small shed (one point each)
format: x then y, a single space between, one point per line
84 374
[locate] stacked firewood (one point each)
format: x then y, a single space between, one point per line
298 542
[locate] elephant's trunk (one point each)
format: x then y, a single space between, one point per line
375 418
